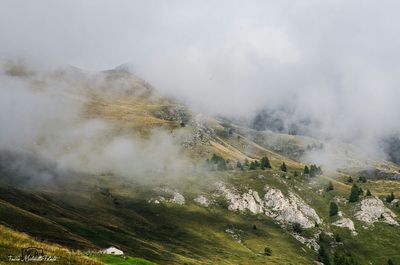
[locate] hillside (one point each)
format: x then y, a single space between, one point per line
177 208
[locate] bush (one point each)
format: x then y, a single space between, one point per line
362 179
330 186
369 192
267 251
283 167
350 180
297 228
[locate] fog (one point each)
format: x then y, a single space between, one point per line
46 131
333 62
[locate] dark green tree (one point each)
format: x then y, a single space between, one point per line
369 192
360 191
350 179
362 179
283 167
390 262
252 165
306 170
265 162
354 193
338 238
295 174
390 197
330 186
333 209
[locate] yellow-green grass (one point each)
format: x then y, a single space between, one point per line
12 242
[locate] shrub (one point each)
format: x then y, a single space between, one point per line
283 167
267 251
297 228
330 186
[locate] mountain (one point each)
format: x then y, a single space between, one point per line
138 170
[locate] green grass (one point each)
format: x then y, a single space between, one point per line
114 260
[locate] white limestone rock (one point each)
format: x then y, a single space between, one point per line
284 209
291 209
202 200
373 210
178 198
347 223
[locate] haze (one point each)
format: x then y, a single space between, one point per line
333 61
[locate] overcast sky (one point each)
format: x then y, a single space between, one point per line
336 61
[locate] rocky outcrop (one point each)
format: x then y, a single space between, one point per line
346 223
284 209
309 242
290 209
169 195
202 200
177 198
373 210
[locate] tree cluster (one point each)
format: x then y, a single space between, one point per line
313 170
217 163
262 164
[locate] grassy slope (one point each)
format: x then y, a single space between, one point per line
168 234
11 243
118 214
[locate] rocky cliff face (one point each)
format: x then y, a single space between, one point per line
284 209
373 210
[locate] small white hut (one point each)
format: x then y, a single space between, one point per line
113 251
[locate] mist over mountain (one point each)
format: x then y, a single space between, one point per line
200 132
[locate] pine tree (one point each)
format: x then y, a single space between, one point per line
306 170
354 193
295 174
390 262
360 191
330 186
338 238
333 209
369 192
283 167
390 197
265 162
